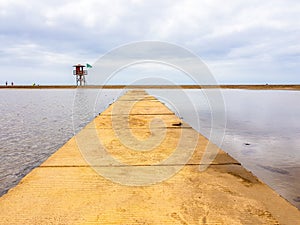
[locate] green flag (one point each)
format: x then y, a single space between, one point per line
88 66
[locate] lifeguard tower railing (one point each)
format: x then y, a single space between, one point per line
79 72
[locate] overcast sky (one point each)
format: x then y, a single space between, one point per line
241 41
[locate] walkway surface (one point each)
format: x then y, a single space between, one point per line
131 165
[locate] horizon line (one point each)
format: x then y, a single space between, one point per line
119 86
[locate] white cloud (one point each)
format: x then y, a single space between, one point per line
233 36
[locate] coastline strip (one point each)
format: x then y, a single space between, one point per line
295 87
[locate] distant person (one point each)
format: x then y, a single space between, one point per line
6 83
12 83
33 84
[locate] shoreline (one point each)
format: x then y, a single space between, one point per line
295 87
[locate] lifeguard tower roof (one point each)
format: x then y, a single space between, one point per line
79 65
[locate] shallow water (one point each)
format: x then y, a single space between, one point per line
35 123
262 131
270 122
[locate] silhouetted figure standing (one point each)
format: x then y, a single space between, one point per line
6 83
12 83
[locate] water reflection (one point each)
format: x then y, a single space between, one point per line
262 132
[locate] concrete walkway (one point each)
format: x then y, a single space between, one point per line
103 175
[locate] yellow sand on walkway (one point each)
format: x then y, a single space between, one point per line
67 190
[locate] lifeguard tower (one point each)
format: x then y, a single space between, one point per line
80 74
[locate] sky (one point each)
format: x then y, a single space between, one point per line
246 42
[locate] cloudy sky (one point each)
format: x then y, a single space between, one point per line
241 41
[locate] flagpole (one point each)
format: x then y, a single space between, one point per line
88 66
